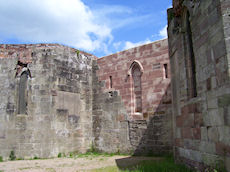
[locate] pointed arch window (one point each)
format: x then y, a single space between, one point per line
135 72
137 90
22 90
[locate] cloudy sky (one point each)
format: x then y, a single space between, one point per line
100 27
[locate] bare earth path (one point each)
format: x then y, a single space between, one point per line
70 164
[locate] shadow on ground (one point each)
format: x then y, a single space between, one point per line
131 162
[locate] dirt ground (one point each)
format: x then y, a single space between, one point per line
70 164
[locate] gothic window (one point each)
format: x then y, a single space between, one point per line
190 60
137 90
22 93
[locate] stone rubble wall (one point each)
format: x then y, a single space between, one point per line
59 109
201 124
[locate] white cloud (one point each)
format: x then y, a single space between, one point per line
117 45
163 32
129 44
69 22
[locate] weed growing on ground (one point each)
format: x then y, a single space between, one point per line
12 156
71 154
19 158
59 155
1 159
36 157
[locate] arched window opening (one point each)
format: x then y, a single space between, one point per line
22 93
110 82
191 64
165 71
137 90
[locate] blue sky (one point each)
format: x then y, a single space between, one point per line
100 27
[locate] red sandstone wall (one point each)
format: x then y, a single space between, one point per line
155 88
202 125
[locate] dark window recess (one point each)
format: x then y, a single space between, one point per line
110 82
192 66
22 95
165 70
137 90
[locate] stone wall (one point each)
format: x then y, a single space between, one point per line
56 99
110 127
147 107
59 105
199 57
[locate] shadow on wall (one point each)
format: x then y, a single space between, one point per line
153 136
113 132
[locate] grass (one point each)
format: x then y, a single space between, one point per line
95 154
165 165
107 169
25 168
50 170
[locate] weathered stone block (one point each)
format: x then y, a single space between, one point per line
226 113
224 100
224 134
204 133
21 122
213 134
208 147
216 118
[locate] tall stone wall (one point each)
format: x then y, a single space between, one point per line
58 116
110 127
140 79
199 57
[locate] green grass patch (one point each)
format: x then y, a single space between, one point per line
161 166
50 170
97 154
25 168
165 165
1 159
